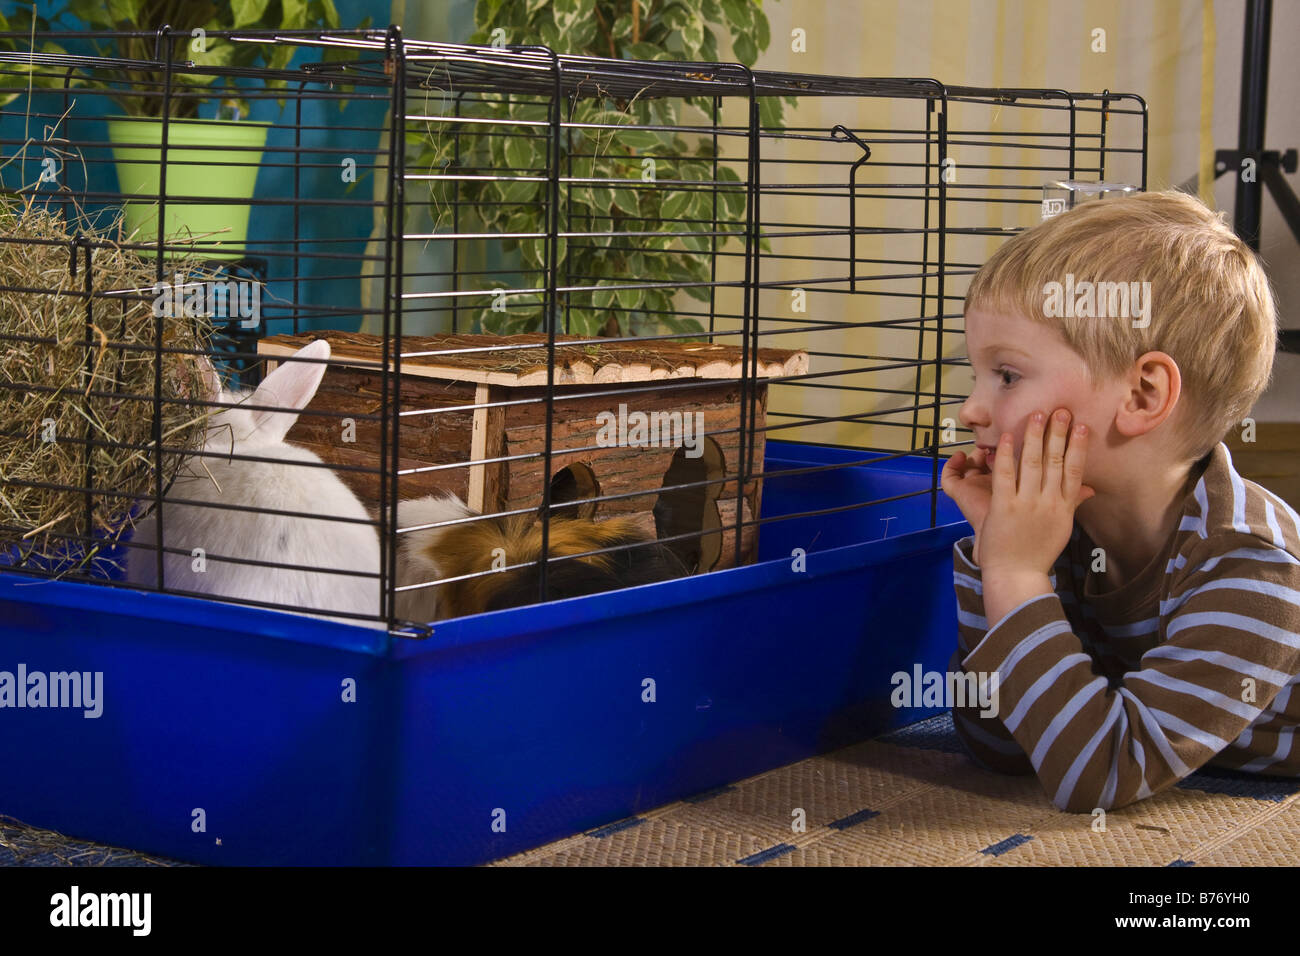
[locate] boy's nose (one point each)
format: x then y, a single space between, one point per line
971 413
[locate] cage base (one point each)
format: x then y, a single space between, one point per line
234 735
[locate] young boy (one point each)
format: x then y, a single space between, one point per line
1137 599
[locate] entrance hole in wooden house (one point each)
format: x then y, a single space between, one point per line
693 510
570 488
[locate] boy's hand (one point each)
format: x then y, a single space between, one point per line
1029 520
968 481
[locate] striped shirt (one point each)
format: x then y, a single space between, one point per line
1112 696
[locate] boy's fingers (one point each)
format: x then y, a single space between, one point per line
1057 432
1031 456
1004 468
953 472
1075 455
966 465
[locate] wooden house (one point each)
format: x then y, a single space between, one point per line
626 427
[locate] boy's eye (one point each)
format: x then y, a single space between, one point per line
1008 377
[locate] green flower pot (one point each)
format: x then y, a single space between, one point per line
206 160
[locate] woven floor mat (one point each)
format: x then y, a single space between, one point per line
913 798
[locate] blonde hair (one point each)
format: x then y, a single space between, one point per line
1210 305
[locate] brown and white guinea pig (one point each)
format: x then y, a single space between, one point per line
471 547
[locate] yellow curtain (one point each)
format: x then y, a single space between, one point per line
1162 50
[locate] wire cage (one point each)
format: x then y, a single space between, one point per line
592 323
415 335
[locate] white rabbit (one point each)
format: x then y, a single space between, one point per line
289 483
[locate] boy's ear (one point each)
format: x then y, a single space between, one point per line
1155 386
291 386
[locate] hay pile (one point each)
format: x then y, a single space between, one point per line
76 400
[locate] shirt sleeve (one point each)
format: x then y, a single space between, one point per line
986 741
1231 642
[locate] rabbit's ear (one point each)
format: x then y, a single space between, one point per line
290 386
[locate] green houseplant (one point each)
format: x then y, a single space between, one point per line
685 30
206 157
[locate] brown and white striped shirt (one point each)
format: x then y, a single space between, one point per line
1110 697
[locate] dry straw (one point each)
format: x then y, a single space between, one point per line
77 389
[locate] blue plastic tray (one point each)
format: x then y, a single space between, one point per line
503 731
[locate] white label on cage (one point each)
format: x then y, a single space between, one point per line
1098 40
798 300
648 169
349 174
1247 170
198 40
651 430
800 822
1053 207
947 689
949 170
498 559
498 37
798 40
349 431
49 170
49 428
